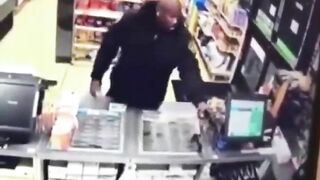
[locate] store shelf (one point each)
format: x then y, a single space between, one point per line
99 13
87 46
87 28
216 8
220 43
228 21
226 29
280 47
207 63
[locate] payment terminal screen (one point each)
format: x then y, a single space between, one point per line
246 118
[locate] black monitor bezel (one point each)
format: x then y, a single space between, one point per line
248 97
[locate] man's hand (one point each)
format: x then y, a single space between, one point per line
203 110
95 88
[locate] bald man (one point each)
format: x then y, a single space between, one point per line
153 42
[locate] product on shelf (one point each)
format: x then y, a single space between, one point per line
92 19
88 37
84 54
126 6
82 4
234 15
96 4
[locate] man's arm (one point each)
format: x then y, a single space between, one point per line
108 50
190 74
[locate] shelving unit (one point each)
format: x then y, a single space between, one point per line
215 26
87 36
206 62
86 46
99 13
91 28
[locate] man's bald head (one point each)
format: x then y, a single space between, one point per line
169 13
170 5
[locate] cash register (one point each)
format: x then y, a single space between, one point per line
20 102
246 121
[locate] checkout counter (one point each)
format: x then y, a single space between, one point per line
40 151
132 156
6 16
131 151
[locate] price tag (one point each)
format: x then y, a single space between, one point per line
294 26
272 10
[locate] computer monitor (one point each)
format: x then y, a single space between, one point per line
19 102
245 117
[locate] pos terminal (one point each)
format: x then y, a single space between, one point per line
244 121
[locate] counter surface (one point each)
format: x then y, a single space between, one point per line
22 150
131 146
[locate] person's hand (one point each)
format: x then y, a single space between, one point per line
203 110
296 79
95 88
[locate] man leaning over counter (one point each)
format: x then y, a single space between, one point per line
153 42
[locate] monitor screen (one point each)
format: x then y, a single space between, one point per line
246 118
16 105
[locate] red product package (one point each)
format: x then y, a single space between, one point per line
109 4
82 4
95 4
113 5
105 4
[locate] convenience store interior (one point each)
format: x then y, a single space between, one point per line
30 46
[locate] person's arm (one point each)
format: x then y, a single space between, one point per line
190 74
108 50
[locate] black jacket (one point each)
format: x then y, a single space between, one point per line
149 55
